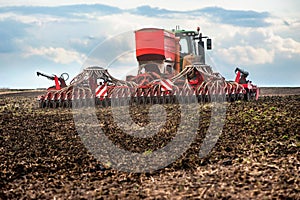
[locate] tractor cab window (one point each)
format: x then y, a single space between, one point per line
187 46
184 47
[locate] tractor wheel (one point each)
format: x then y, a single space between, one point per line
239 96
193 99
207 98
89 102
214 97
199 97
60 104
46 104
53 104
105 103
69 104
247 96
232 97
50 104
77 103
148 100
65 104
221 98
162 100
227 98
97 102
56 104
41 104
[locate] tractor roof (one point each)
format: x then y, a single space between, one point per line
184 32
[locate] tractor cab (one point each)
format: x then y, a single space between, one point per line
192 46
187 44
192 51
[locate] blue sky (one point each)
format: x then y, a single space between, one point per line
60 36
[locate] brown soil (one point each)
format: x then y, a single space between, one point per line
256 157
279 91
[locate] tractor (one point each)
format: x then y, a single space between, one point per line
171 67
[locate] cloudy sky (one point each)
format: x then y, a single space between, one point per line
54 36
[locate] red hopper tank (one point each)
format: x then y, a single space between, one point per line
155 44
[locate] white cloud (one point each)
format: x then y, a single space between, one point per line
246 55
254 46
80 42
29 19
57 55
285 8
287 47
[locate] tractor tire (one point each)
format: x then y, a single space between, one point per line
65 104
53 104
221 98
61 104
247 96
232 98
214 98
41 103
69 104
201 98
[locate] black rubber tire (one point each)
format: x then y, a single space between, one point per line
247 96
232 98
41 103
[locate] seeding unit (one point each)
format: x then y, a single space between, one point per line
171 69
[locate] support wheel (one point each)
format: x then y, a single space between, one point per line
247 96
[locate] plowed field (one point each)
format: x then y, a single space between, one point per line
257 156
